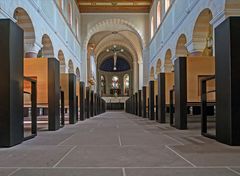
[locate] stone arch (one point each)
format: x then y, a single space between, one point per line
158 66
77 73
168 66
181 50
25 22
70 66
119 40
47 49
202 32
62 62
104 26
106 45
151 76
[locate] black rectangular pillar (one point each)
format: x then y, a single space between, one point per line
91 103
72 98
11 75
140 103
95 104
77 108
136 103
161 98
180 68
87 102
156 111
82 101
151 100
144 102
53 94
228 81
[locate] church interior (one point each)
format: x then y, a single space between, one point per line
119 87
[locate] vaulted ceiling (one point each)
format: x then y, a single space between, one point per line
114 6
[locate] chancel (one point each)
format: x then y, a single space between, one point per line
119 88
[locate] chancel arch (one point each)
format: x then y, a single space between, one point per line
115 75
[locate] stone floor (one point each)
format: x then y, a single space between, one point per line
120 144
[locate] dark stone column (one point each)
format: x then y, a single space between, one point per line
140 103
82 101
62 109
144 102
228 81
95 104
151 100
53 94
181 93
156 112
11 75
136 103
91 103
100 107
161 98
133 104
76 108
87 102
72 98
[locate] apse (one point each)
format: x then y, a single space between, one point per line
121 65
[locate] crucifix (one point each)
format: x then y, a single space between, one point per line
115 50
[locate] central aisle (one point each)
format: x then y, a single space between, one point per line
119 144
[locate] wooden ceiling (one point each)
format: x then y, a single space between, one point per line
114 6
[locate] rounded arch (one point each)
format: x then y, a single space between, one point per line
126 84
158 66
159 13
70 66
25 22
181 49
77 73
203 32
168 66
151 76
70 13
47 49
62 62
104 26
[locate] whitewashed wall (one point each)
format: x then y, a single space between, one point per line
48 19
180 19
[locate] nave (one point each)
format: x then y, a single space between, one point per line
119 144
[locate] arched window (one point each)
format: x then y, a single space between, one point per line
103 85
152 27
76 27
60 4
167 5
159 13
126 84
115 86
115 82
70 16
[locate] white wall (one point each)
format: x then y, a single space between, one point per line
180 19
48 19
